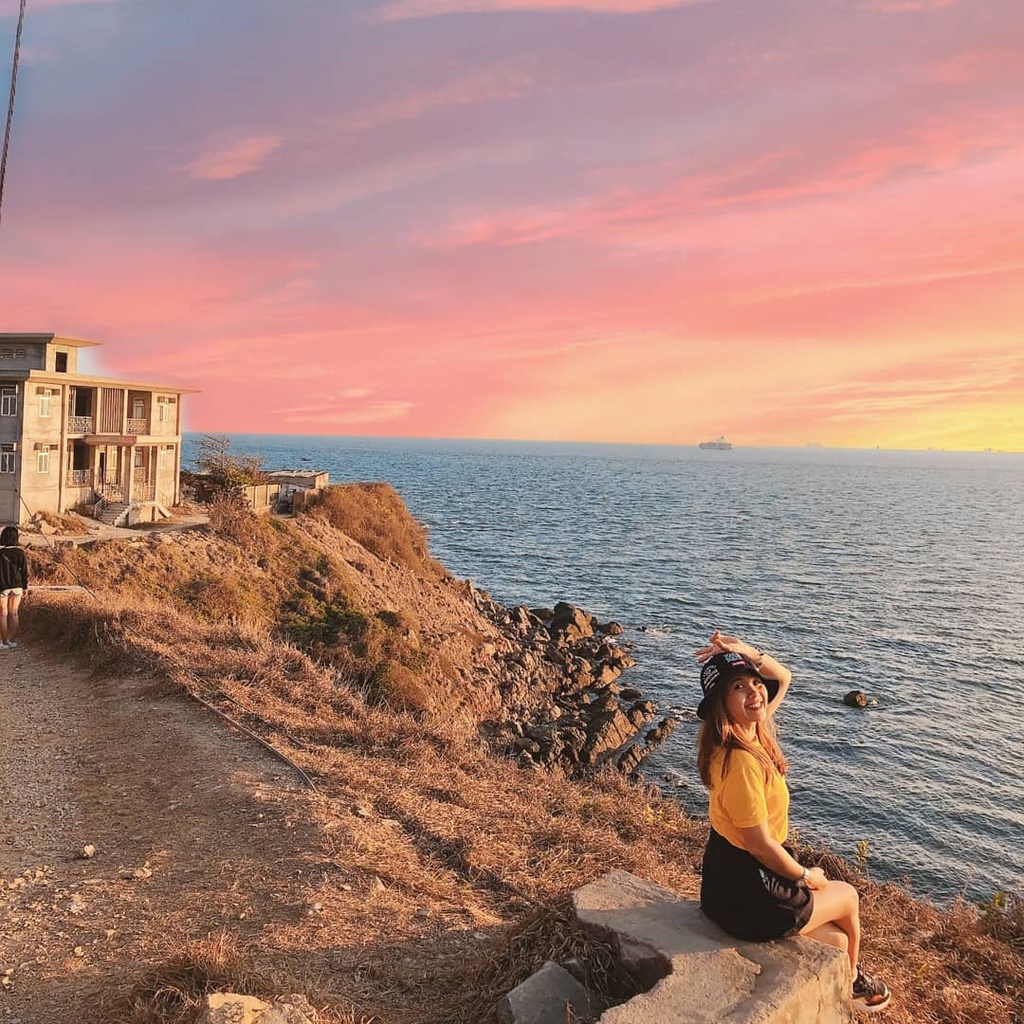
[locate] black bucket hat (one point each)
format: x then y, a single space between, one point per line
721 668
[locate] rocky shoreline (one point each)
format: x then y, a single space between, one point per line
562 704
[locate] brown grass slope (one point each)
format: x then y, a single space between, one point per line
340 641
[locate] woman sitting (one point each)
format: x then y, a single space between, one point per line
752 886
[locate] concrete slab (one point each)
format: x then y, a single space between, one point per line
696 974
543 997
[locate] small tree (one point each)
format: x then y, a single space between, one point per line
224 470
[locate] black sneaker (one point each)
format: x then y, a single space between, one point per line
870 995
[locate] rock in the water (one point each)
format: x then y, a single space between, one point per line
856 699
570 622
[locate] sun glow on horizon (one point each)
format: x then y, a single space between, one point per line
633 221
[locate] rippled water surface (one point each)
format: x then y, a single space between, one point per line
899 573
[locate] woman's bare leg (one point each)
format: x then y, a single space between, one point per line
831 935
3 620
13 622
838 904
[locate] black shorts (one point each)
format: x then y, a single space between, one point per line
747 900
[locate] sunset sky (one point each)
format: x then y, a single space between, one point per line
785 221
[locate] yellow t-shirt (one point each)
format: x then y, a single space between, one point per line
742 799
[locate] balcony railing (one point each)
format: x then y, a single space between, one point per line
111 492
143 492
79 424
138 426
80 477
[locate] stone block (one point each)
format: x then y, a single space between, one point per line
233 1008
543 997
696 974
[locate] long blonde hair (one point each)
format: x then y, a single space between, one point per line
716 732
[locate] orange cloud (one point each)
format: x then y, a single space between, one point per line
233 159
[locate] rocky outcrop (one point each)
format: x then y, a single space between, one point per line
687 969
561 701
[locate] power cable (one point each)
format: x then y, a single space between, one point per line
10 103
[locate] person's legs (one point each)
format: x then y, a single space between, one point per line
13 622
3 618
838 904
831 935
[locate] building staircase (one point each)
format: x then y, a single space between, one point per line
113 513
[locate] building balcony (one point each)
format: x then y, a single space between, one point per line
79 424
143 492
80 478
138 426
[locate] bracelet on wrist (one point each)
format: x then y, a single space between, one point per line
806 876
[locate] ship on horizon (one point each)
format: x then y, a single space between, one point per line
718 445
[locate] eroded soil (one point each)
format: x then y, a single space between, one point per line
196 830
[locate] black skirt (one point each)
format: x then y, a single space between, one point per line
747 900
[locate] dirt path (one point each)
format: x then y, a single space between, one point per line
195 830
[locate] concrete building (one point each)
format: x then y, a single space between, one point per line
75 441
303 482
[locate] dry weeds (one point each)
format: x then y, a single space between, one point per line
446 868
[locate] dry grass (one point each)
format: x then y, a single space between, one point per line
449 886
69 524
376 516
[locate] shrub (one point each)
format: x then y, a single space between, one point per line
232 518
374 515
393 685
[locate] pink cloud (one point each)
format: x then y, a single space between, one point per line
233 159
327 414
904 6
9 8
982 63
505 82
771 181
402 9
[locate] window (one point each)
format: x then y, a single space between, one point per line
43 461
61 362
7 457
9 403
44 404
161 413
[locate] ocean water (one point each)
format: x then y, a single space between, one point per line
899 573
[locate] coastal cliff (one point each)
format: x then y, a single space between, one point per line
469 772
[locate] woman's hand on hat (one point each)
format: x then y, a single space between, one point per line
719 644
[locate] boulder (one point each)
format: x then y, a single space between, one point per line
629 761
545 997
234 1008
606 733
570 623
692 971
606 673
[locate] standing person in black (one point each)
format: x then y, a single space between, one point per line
13 585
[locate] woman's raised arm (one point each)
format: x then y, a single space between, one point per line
763 662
